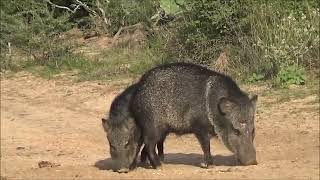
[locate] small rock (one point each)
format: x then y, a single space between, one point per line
275 167
225 170
295 160
303 132
43 164
306 161
20 148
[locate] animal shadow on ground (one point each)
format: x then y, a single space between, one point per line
195 159
104 164
190 159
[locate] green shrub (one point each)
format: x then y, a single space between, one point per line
113 63
255 78
120 13
30 26
208 27
260 37
285 34
290 75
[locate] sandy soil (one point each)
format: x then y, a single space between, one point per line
59 121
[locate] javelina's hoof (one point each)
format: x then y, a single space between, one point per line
204 165
124 170
159 167
143 160
253 162
134 164
161 157
144 163
155 164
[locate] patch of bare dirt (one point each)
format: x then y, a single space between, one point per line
131 36
58 121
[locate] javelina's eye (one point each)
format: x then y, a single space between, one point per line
126 145
236 131
253 133
112 147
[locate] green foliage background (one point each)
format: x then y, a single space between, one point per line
276 39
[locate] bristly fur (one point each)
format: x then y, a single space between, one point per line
120 107
184 98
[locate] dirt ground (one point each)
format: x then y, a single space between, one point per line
59 121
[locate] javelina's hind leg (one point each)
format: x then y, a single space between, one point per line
204 141
160 148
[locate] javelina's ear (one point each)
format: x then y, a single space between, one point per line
254 100
104 120
105 123
226 106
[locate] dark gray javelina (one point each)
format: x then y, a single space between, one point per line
187 98
123 135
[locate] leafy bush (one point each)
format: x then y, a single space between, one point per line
31 27
255 78
290 75
208 27
261 37
285 34
127 12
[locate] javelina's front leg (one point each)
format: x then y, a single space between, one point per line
160 150
144 155
152 155
144 152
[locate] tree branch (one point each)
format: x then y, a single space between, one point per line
64 7
77 6
131 27
103 13
182 6
86 7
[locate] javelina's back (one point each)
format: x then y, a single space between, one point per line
175 93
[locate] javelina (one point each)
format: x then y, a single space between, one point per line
187 98
123 134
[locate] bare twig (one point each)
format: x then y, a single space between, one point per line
131 27
103 13
118 33
182 6
64 7
77 6
86 7
9 48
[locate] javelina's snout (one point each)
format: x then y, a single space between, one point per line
247 155
118 167
248 159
